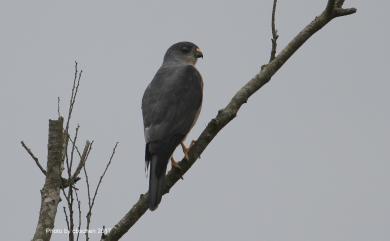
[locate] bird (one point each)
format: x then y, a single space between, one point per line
170 107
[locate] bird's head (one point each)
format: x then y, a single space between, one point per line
183 53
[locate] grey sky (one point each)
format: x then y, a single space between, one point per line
306 159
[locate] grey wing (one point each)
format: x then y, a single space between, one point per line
171 102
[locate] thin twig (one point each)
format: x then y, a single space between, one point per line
79 208
70 201
83 158
70 197
34 158
66 218
88 186
58 107
275 35
91 202
77 149
72 151
88 216
64 193
69 217
72 101
104 173
69 160
64 182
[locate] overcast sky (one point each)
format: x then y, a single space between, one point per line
307 158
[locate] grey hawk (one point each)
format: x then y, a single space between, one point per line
170 107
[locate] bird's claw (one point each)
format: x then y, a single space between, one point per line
186 149
175 164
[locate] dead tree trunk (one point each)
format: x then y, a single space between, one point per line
50 193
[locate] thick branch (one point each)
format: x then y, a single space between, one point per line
225 116
339 3
330 6
50 193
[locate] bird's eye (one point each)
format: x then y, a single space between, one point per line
185 49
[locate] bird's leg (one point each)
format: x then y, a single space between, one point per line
175 164
186 149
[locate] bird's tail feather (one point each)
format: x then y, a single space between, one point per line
156 184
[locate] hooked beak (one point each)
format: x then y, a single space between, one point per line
198 53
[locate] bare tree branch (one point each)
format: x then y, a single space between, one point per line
339 3
89 213
72 101
72 152
69 160
330 6
72 190
83 159
88 186
34 158
69 197
50 193
275 35
64 182
66 217
334 8
339 12
75 89
104 173
70 222
79 208
91 202
227 114
58 107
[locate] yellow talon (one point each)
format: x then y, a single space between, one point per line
175 164
186 149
